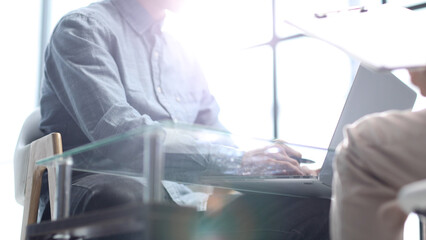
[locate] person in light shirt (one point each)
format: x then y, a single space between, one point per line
379 154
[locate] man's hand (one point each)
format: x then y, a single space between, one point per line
276 159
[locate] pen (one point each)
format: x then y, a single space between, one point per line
361 9
303 160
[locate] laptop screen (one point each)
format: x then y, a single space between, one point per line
371 92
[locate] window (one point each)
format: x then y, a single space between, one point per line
244 92
253 61
313 79
222 33
243 48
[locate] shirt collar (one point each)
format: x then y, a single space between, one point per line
136 15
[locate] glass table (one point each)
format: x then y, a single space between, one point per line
198 157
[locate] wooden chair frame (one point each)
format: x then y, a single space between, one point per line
33 146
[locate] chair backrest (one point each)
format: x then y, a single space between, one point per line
29 132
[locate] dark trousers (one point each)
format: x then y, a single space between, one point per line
249 217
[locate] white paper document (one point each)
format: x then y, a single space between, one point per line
384 37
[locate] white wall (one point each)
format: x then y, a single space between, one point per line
19 23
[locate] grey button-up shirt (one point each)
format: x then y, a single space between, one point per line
109 68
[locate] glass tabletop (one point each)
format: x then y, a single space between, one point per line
197 155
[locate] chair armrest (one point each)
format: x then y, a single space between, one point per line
26 156
412 197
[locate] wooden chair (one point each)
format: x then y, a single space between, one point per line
33 146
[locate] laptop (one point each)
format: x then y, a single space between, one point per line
370 92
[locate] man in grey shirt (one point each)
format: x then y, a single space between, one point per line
109 69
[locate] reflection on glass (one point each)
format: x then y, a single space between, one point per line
313 81
195 155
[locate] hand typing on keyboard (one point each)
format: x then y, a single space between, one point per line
275 159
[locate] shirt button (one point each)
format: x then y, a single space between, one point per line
177 99
175 120
156 54
159 90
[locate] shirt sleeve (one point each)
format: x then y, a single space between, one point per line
84 75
